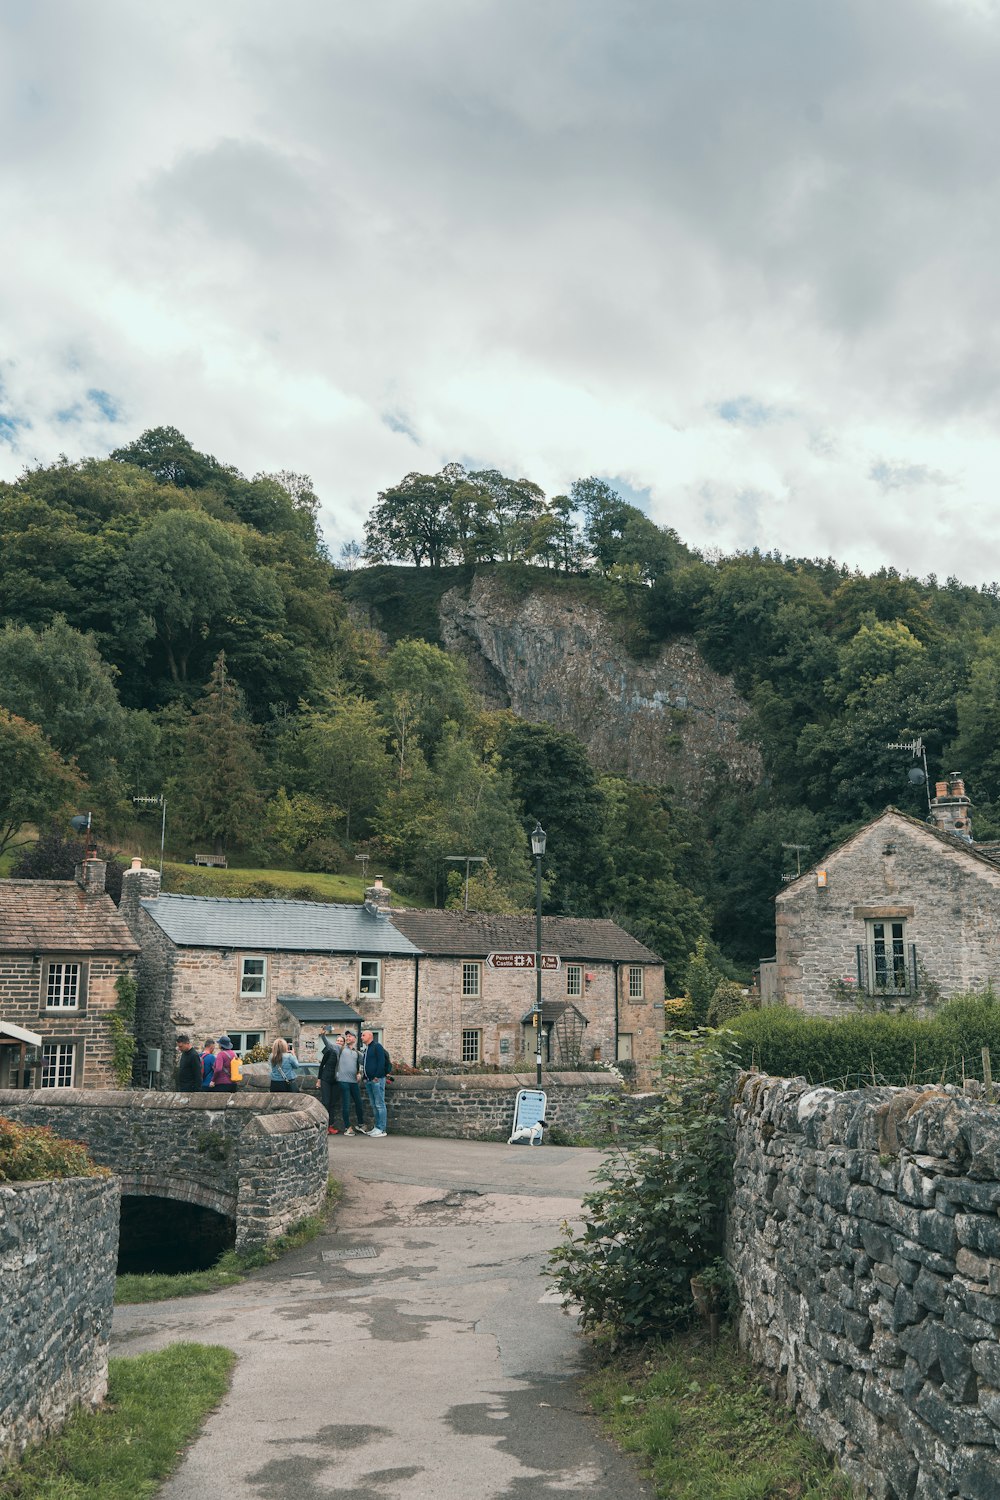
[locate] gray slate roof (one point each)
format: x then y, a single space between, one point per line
468 934
274 926
304 1009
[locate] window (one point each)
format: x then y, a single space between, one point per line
887 958
625 1045
470 980
370 978
471 1046
58 1065
253 976
574 979
62 986
243 1040
635 984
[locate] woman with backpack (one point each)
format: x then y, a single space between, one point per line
284 1068
228 1069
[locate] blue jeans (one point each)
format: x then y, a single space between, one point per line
349 1091
375 1088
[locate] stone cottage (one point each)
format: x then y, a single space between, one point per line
63 946
419 979
903 914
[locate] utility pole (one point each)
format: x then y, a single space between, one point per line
467 860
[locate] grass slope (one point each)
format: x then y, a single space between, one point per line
156 1404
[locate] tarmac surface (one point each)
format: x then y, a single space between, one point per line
414 1350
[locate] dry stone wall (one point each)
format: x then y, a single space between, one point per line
864 1236
260 1159
58 1248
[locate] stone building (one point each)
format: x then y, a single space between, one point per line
63 946
419 979
605 999
902 914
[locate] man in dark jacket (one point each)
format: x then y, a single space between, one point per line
328 1090
375 1068
188 1066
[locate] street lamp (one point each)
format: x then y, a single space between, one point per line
538 850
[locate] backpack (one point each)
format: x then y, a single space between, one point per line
236 1068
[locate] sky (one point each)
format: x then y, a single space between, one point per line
741 259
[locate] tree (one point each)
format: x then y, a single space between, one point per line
216 794
425 689
606 514
36 784
340 748
55 855
414 519
166 453
513 506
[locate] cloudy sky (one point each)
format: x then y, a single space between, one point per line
741 258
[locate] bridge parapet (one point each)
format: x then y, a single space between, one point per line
260 1159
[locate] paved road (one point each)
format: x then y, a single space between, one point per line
440 1364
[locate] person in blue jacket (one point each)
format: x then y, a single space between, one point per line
284 1068
207 1062
375 1069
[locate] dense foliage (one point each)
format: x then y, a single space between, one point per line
872 1048
32 1153
656 1220
168 625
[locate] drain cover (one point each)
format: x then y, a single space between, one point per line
353 1252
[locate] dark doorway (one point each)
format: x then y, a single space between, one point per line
160 1234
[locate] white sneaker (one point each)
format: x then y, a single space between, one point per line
348 1132
377 1132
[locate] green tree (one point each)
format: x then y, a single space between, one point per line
513 507
36 784
341 751
217 794
606 515
701 980
425 689
414 520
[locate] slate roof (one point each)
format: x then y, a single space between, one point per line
461 934
274 926
57 916
552 1010
318 1010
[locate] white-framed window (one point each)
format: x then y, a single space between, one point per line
58 1065
887 957
243 1040
253 977
370 978
635 983
472 1046
63 985
574 979
624 1046
471 985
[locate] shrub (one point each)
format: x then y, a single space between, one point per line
32 1153
701 979
726 1003
657 1218
855 1049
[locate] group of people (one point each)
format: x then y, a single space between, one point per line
342 1069
216 1066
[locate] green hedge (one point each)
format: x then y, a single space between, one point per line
894 1049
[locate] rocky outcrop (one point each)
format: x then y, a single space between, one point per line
554 658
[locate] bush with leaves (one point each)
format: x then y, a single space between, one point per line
726 1003
701 979
32 1153
657 1217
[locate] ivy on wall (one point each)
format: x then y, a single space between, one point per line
122 1025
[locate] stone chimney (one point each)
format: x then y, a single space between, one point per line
138 885
378 898
91 876
951 808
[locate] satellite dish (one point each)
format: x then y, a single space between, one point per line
915 776
81 822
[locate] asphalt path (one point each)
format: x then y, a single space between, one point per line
414 1350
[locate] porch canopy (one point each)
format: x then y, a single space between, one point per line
322 1012
11 1033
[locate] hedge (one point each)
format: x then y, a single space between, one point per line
859 1049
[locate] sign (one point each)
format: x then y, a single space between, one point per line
522 961
529 1108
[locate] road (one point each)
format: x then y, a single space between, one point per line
412 1351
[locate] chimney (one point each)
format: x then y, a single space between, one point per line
951 808
378 898
91 876
138 885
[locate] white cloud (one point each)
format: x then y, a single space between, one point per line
740 256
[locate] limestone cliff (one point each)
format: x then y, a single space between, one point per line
555 658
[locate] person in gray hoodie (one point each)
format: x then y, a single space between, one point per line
347 1078
333 1043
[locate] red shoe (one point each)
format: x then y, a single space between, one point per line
333 1130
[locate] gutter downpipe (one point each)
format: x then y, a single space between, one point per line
618 966
416 998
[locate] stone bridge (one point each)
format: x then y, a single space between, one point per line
259 1159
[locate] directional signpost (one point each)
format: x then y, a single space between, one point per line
522 960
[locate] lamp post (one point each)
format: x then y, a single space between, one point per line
538 850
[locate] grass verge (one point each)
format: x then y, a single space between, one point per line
155 1405
230 1269
706 1429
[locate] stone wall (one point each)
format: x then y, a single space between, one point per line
260 1159
58 1246
480 1107
864 1236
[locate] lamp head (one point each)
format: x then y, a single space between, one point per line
538 840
